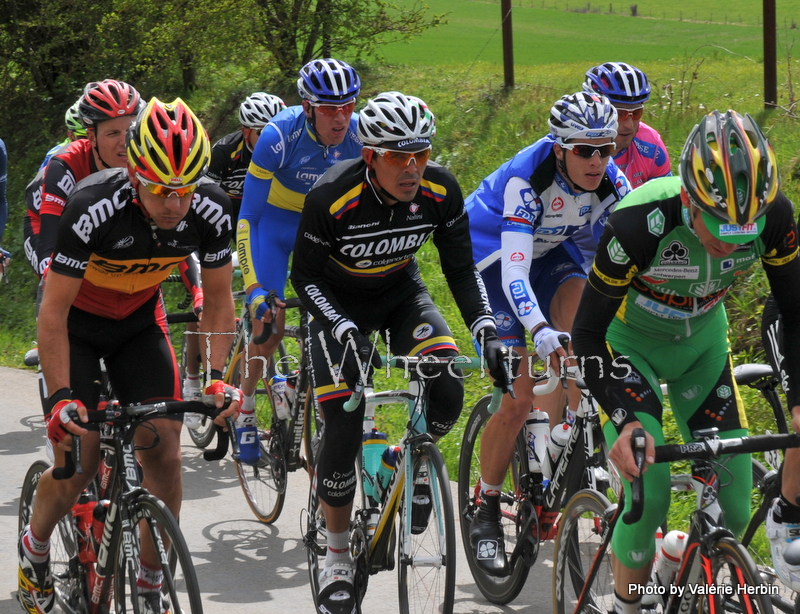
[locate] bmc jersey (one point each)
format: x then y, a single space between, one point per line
230 158
350 241
61 175
105 238
655 275
288 159
645 158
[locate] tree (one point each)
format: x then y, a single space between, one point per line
297 31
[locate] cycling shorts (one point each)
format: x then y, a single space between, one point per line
137 352
409 327
546 276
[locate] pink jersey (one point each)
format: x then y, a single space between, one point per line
646 158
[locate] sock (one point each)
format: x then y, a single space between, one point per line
627 607
248 403
37 550
491 489
785 512
149 579
338 548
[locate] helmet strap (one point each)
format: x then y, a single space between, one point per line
377 187
96 148
562 166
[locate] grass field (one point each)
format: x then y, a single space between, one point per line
557 34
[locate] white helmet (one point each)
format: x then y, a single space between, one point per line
258 108
392 117
583 115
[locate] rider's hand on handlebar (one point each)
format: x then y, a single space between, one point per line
497 358
350 370
621 453
257 299
548 342
60 427
215 393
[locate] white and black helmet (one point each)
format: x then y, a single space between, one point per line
258 108
393 118
583 116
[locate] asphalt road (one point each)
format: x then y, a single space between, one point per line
243 565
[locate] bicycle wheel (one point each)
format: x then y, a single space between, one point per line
734 572
180 591
496 590
264 484
583 527
69 576
427 560
203 435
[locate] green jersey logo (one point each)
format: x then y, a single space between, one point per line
616 253
655 222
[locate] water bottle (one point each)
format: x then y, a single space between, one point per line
373 446
537 432
291 385
99 519
557 442
247 436
385 470
669 557
83 512
280 401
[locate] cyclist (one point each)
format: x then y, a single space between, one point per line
75 130
230 156
783 520
5 257
293 151
523 219
121 234
653 310
640 154
107 109
354 269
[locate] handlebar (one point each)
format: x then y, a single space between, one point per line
437 362
133 413
271 328
708 448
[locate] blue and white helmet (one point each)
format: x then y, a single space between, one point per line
328 81
583 116
619 82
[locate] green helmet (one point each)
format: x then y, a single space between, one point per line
72 119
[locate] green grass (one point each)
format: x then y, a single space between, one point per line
557 35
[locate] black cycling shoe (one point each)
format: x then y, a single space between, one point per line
488 546
421 507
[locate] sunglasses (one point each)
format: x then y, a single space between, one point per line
584 150
332 109
403 158
623 114
162 191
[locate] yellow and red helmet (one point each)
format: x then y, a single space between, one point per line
168 145
729 170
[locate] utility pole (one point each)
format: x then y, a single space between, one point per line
508 45
770 56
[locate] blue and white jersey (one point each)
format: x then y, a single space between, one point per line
526 208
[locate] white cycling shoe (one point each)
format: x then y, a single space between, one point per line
781 536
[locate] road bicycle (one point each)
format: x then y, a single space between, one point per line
94 552
716 572
425 561
280 440
530 505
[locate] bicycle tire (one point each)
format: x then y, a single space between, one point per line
69 576
180 591
313 429
729 556
496 590
203 435
582 528
427 561
264 484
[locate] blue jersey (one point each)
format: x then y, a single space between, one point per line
287 161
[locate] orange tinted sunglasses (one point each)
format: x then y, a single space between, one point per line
623 114
403 158
162 191
332 109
